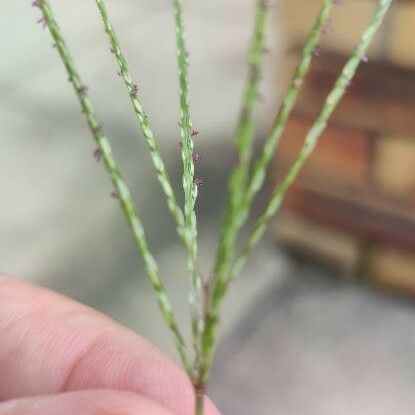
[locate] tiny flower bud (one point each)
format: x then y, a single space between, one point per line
327 28
42 21
316 52
264 4
298 82
260 98
97 129
82 89
134 91
98 154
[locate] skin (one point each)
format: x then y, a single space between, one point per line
61 357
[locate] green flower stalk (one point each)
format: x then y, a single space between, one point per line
246 129
287 106
104 151
190 184
288 103
206 298
237 183
333 99
143 119
158 162
260 166
315 132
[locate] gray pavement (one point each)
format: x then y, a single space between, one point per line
319 345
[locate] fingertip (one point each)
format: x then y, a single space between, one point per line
52 344
92 402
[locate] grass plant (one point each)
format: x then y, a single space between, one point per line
206 296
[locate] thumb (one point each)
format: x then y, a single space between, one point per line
90 402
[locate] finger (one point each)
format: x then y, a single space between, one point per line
94 402
50 344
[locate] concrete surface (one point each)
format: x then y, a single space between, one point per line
315 344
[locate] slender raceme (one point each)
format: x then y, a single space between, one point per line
152 145
315 132
143 119
237 183
104 151
244 137
246 129
206 297
288 103
190 185
210 333
286 108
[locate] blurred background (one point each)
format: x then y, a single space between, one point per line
322 321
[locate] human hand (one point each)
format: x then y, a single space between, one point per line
58 357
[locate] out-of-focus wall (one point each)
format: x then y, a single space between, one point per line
394 43
353 205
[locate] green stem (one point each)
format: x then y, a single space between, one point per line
143 120
122 191
199 400
278 127
210 332
237 183
314 134
190 186
288 103
245 130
